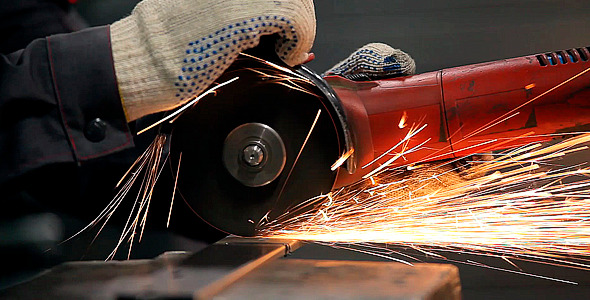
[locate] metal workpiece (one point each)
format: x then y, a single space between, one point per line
241 268
333 279
236 257
173 275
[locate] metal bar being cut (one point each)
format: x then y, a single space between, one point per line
241 268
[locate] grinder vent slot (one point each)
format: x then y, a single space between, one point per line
572 55
542 60
552 58
563 57
582 53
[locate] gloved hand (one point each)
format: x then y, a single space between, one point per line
167 51
374 61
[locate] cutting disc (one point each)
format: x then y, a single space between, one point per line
254 149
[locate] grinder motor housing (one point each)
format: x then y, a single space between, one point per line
469 109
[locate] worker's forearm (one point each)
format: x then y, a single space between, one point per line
59 103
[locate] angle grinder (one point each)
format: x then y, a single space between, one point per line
266 143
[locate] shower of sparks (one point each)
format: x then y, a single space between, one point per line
286 77
519 205
403 144
189 104
147 168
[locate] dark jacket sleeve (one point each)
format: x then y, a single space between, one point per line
59 103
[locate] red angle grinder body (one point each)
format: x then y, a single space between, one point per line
264 145
469 109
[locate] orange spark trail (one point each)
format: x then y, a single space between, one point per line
520 204
174 190
315 121
188 105
342 160
402 123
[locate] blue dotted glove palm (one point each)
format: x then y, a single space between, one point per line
168 51
374 61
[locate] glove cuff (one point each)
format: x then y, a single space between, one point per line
140 83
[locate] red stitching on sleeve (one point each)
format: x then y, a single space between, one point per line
59 102
106 151
127 133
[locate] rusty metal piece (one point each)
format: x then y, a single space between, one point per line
172 275
242 255
238 268
328 279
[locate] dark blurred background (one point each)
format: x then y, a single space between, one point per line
437 34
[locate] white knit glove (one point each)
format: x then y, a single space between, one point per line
374 61
167 51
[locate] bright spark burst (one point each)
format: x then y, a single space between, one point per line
188 105
519 205
342 159
286 77
402 122
147 168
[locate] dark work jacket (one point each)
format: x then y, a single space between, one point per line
64 139
61 119
53 90
59 103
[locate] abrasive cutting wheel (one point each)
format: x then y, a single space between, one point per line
242 157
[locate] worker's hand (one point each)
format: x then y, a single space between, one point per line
374 61
167 51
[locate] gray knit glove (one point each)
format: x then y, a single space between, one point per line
168 51
374 61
